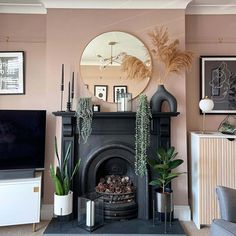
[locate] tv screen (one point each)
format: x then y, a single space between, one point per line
22 139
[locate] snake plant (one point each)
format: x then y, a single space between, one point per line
62 177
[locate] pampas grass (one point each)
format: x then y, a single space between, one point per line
173 59
135 68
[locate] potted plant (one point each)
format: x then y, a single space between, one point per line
84 117
163 167
142 135
62 178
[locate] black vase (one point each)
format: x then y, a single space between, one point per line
159 97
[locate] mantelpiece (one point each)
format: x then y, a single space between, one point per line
113 136
111 146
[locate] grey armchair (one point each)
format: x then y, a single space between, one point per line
226 226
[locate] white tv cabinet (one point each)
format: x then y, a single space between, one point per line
20 201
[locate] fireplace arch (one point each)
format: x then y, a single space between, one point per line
103 154
120 153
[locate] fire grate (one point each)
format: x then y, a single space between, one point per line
119 196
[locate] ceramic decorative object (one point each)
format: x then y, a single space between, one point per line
160 96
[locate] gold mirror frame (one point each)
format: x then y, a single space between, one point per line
113 61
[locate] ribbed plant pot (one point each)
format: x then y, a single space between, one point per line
160 96
63 204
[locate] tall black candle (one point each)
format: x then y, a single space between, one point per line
62 78
69 92
72 86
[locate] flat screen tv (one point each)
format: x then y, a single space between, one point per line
22 139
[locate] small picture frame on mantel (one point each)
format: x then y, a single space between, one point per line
12 72
118 89
100 91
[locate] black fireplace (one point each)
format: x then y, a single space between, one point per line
107 161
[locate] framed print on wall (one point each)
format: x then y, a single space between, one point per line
12 72
118 89
218 82
100 91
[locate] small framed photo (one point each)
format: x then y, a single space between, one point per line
100 91
12 73
218 82
118 89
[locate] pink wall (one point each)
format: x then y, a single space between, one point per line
26 33
67 34
202 37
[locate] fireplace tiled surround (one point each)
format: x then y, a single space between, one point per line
110 151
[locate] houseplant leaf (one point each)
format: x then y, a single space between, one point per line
56 181
75 169
152 162
66 185
56 151
175 163
156 182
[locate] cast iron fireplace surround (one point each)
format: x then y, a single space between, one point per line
110 151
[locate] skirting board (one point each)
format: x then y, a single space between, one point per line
180 212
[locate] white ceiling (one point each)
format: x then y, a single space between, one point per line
191 6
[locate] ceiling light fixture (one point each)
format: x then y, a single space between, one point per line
111 60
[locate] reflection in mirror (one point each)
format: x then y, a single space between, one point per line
115 61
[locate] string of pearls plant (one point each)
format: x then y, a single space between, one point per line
84 116
142 135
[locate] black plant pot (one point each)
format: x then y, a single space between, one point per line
160 96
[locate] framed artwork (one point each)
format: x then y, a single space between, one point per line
118 89
218 82
12 73
100 91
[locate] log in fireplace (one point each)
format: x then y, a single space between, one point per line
107 161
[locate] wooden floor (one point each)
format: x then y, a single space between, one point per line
26 230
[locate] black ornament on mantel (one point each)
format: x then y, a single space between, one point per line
68 104
160 96
62 85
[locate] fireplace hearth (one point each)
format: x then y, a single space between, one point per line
107 163
121 228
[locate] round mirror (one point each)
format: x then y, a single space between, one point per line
115 62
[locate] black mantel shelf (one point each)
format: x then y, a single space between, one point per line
115 114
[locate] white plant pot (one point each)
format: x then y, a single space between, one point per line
63 204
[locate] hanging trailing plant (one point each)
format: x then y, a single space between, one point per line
142 135
84 115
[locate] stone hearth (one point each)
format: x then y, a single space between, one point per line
122 228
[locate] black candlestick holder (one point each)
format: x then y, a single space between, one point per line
68 106
61 100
